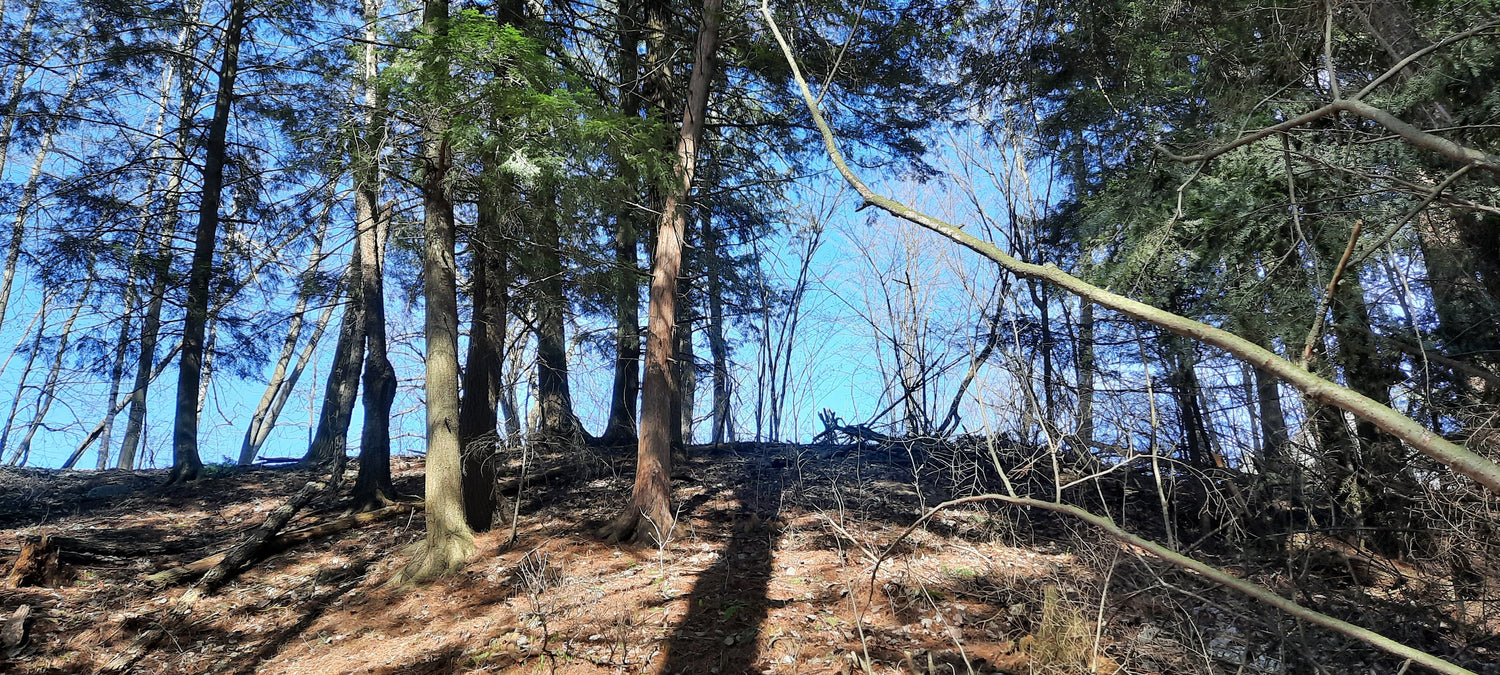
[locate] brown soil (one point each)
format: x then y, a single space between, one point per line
767 571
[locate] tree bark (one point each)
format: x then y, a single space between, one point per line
717 346
449 540
1086 371
554 399
620 428
186 463
372 485
161 260
648 515
330 443
478 421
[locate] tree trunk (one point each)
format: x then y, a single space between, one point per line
477 420
330 444
186 463
554 400
1086 372
13 98
15 403
621 428
261 421
48 393
449 540
687 373
717 346
648 515
372 485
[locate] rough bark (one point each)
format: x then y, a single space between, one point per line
554 399
372 485
1086 371
251 547
449 540
186 463
648 515
478 420
330 442
625 391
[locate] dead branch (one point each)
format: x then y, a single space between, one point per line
283 542
1214 574
1333 284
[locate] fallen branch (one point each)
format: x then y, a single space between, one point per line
283 542
1428 442
1214 574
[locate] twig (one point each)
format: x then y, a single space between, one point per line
1327 299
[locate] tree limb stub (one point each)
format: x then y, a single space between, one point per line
1214 574
1428 442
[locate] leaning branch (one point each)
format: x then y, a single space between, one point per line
1214 574
1455 456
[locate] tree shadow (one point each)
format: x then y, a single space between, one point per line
343 580
728 604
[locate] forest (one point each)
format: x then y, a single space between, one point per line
789 336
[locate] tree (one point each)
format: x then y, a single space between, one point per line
648 516
186 463
449 540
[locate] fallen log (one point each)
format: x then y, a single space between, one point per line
281 542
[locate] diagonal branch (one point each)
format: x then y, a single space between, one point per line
1214 574
1425 140
1456 457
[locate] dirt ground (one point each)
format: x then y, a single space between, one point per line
769 570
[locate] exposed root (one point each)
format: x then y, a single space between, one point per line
433 558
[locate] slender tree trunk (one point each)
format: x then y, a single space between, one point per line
621 427
186 463
477 420
13 98
262 421
717 346
1086 372
449 540
161 260
289 385
372 485
554 400
648 515
687 373
122 343
48 394
15 402
515 359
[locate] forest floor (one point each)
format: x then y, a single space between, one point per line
769 570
